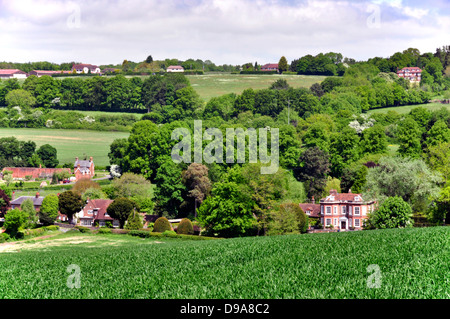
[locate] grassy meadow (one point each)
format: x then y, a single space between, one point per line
217 84
70 143
393 263
405 109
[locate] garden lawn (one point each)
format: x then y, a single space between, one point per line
70 143
412 263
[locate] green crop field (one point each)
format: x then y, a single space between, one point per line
407 108
70 143
395 263
217 84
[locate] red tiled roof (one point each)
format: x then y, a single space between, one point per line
83 65
11 71
270 66
313 209
342 197
102 206
175 67
411 69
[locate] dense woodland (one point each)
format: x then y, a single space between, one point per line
327 141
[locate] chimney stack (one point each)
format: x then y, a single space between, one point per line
312 200
37 195
13 195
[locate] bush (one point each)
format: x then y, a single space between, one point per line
83 229
4 237
134 222
170 233
185 227
104 230
140 233
51 227
161 225
289 218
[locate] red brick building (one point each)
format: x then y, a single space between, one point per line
270 67
84 169
343 211
410 73
33 172
95 212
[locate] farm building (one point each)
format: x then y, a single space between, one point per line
85 68
12 74
37 201
175 68
341 211
84 169
33 172
270 67
95 212
413 74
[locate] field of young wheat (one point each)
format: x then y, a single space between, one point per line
397 263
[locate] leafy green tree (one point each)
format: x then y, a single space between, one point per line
408 178
197 182
439 133
408 134
27 206
70 203
373 140
49 209
317 136
343 150
283 65
226 213
131 185
4 200
134 221
21 98
15 221
438 158
393 213
170 188
120 209
48 155
289 218
440 211
93 193
313 169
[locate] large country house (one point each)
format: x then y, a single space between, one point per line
37 201
413 74
343 211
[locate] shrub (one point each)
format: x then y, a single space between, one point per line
134 222
140 233
51 227
83 229
185 227
4 237
161 225
289 218
104 230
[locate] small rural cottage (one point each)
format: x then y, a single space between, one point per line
341 211
37 201
95 212
85 68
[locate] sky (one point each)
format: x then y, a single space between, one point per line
223 31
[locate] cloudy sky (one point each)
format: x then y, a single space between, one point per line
223 31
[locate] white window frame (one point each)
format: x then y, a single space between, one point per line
357 220
327 221
357 208
335 222
344 210
350 211
328 210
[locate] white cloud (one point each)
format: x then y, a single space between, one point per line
232 31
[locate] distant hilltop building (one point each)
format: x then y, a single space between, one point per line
175 68
413 74
85 68
12 74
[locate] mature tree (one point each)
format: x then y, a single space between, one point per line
48 155
408 134
84 184
120 209
21 98
408 178
343 150
92 193
314 166
289 218
149 59
226 213
438 158
4 202
15 220
131 185
170 188
27 206
117 151
283 65
393 213
439 133
134 221
280 84
442 208
317 135
197 183
373 140
49 209
70 203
